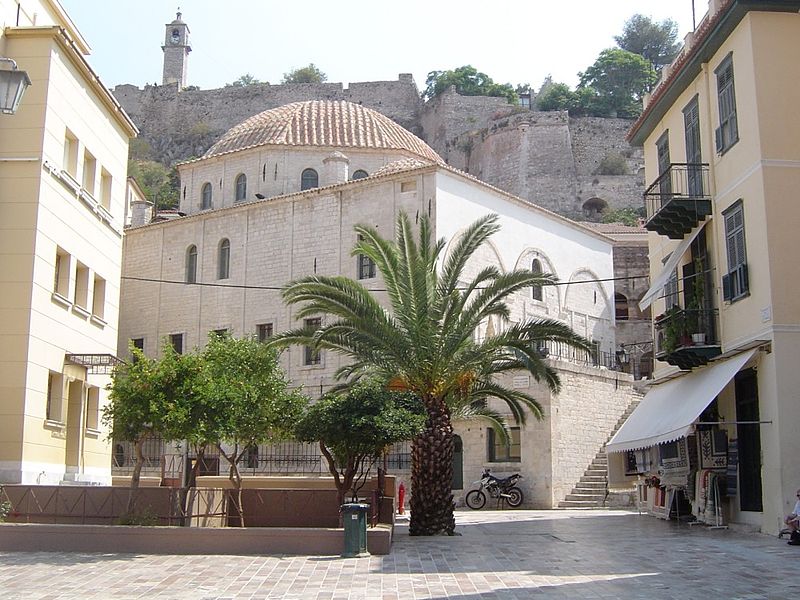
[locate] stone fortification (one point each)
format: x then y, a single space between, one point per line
545 157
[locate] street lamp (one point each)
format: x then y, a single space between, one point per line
13 83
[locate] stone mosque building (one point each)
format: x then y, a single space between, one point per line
276 198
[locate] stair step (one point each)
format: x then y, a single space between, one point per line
592 478
590 485
578 504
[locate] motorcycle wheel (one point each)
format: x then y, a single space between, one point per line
475 499
514 497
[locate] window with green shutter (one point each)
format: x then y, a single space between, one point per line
735 284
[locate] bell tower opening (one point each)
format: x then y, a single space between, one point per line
176 52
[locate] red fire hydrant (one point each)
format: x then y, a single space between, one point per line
401 499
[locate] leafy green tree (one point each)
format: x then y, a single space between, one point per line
160 184
468 82
355 427
244 81
657 42
249 400
309 74
557 96
619 80
154 396
423 342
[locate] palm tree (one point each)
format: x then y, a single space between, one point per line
424 342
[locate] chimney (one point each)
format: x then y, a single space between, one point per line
141 212
337 169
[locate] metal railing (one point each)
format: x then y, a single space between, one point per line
680 180
680 328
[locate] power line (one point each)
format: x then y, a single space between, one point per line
278 288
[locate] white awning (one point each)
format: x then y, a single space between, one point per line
668 411
669 268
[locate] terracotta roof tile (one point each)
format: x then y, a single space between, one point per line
322 123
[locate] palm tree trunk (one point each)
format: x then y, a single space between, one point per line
432 474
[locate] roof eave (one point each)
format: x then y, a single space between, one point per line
724 23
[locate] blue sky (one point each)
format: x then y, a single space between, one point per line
361 40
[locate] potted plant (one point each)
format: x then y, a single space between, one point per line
695 318
674 329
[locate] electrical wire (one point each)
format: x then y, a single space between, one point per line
278 288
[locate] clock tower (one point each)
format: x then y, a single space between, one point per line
176 52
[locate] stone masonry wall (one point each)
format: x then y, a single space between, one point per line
581 419
182 124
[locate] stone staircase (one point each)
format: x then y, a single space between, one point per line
591 491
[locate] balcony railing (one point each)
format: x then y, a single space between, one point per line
687 338
678 200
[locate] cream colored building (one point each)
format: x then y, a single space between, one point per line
62 195
720 134
276 198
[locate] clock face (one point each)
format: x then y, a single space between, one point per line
176 36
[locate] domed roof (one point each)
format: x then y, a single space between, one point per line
322 123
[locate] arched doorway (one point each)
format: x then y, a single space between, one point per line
458 463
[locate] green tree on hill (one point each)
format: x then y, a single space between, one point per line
468 81
308 74
657 42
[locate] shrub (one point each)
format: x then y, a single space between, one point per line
143 518
5 509
612 163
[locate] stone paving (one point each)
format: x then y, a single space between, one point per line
502 555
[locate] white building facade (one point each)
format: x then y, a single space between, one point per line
277 199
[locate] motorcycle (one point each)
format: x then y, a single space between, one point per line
504 489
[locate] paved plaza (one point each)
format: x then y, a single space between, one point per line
503 555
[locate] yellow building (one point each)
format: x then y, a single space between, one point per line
62 202
717 434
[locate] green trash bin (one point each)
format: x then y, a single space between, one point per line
354 516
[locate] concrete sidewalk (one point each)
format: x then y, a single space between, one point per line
502 555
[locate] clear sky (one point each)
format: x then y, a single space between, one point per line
362 40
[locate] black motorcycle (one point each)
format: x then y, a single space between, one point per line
504 489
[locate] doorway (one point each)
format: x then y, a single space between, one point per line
749 437
458 463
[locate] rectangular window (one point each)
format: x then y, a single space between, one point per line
408 186
55 392
671 290
366 266
727 134
105 189
664 175
71 154
138 343
62 273
220 332
499 451
93 408
99 297
264 331
89 172
694 173
81 286
176 341
310 356
736 283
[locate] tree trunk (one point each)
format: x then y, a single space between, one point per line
432 474
235 477
136 475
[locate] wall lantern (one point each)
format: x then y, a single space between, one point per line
623 358
13 84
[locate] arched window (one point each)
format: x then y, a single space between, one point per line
537 293
191 264
241 187
224 262
205 202
309 179
621 306
360 174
